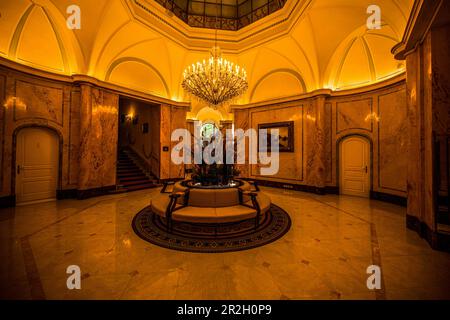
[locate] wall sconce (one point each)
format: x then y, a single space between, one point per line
131 117
17 103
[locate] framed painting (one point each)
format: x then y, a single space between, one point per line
285 138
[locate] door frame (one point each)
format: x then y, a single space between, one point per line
14 155
338 153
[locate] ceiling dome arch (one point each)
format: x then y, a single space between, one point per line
284 81
363 58
39 37
131 71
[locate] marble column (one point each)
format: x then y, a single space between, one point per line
242 121
98 138
315 143
428 87
172 118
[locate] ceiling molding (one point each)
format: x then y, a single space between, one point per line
276 25
76 79
419 23
399 79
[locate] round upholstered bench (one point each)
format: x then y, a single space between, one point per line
211 206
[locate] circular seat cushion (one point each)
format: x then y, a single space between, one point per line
159 204
195 215
234 214
204 214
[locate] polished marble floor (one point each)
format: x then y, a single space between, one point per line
325 255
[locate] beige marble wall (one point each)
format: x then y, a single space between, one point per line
321 124
441 101
29 101
415 189
392 141
352 114
428 120
74 137
241 121
2 121
314 142
171 118
291 163
98 138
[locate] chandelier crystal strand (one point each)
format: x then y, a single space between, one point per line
215 81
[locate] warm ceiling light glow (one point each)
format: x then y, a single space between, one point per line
215 81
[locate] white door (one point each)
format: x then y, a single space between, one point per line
354 159
37 152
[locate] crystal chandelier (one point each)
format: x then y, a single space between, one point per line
215 81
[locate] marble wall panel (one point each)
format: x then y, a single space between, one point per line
291 163
171 118
354 114
2 121
36 101
177 121
164 170
392 141
33 102
414 160
441 101
241 121
98 140
328 143
314 142
74 138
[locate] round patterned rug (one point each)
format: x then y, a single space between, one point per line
209 238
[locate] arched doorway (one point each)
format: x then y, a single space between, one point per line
37 157
209 129
354 166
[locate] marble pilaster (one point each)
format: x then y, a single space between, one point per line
98 138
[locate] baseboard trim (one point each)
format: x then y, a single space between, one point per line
436 240
66 194
295 187
398 200
7 202
94 192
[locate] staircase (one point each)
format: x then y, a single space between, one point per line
131 177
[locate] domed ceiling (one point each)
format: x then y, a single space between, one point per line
304 46
221 14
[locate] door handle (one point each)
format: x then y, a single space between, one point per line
18 169
365 169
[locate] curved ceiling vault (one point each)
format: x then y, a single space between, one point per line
327 46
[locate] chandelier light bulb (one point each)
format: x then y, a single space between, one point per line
215 81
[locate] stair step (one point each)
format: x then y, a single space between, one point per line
129 170
133 178
128 175
126 167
